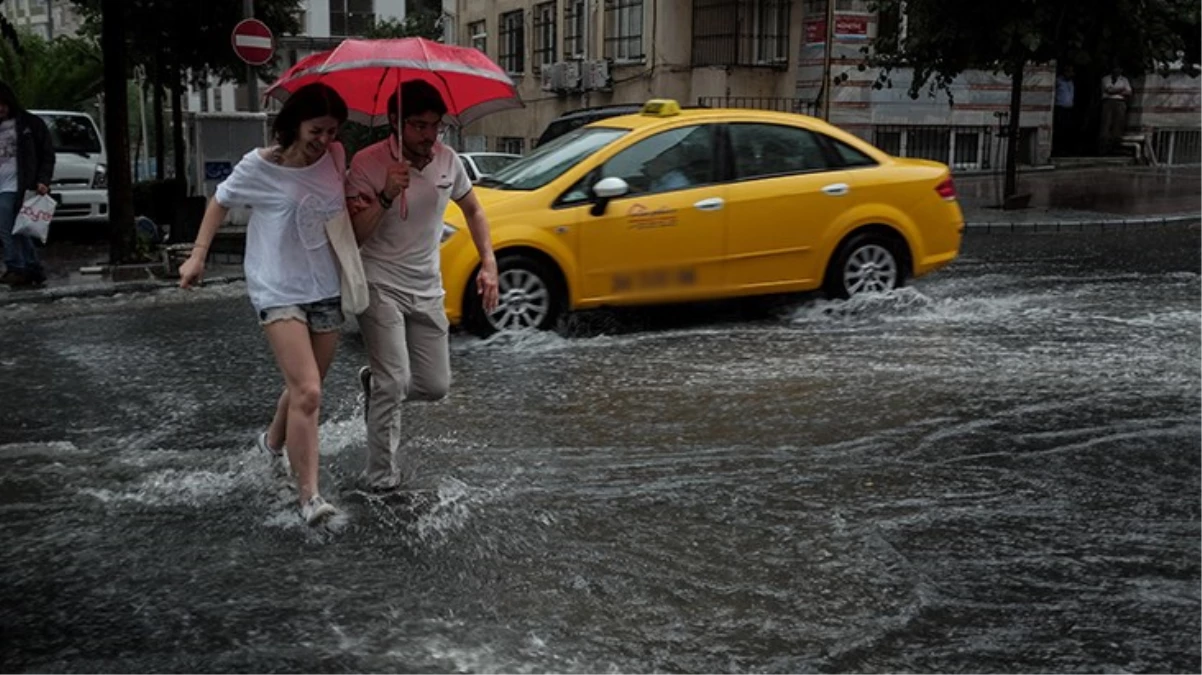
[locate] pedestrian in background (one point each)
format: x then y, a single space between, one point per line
1116 92
1064 128
293 189
26 164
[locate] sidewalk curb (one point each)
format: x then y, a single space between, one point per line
1065 225
101 289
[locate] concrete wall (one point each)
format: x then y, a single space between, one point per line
1171 101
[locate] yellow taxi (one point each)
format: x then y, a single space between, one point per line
671 205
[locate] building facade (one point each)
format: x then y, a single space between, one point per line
46 18
570 54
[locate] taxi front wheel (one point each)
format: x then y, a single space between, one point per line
531 297
866 263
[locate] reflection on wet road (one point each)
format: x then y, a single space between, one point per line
995 470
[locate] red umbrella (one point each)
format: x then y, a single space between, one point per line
367 72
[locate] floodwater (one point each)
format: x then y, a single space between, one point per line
996 469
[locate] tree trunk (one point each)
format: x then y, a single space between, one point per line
116 132
1016 100
160 140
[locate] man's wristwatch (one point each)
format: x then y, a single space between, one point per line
384 200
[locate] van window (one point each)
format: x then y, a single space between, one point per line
73 133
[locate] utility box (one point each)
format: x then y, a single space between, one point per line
216 141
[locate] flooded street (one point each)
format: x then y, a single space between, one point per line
994 470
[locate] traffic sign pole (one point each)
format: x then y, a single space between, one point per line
252 73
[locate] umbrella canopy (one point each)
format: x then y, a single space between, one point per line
366 72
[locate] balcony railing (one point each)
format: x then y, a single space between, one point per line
789 105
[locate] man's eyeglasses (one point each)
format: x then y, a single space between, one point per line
421 126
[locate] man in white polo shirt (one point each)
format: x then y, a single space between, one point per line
399 190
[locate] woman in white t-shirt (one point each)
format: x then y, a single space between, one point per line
293 189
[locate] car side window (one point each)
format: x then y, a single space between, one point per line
850 156
762 150
467 166
672 160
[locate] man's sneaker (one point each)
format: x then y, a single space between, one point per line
261 443
317 510
365 383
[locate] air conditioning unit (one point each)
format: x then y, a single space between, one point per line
571 76
552 77
563 76
596 76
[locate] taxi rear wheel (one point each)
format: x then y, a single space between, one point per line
531 297
868 262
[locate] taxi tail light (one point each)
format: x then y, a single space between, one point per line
947 190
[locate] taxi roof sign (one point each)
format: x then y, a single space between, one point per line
661 107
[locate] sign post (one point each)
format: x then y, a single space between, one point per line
253 43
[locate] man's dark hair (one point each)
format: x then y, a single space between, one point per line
418 97
309 102
9 97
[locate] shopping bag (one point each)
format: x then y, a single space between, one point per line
33 219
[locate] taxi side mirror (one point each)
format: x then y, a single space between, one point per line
605 190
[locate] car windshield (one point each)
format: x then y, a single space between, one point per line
550 161
490 164
72 133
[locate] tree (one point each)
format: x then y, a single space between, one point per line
944 38
116 134
62 74
424 24
175 41
8 32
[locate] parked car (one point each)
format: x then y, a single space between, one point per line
80 183
574 119
483 164
672 205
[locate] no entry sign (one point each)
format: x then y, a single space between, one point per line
253 42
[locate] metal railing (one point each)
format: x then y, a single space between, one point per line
960 147
1177 146
779 104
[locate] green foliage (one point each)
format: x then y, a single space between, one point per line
195 32
416 24
63 74
943 38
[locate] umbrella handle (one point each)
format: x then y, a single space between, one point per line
404 207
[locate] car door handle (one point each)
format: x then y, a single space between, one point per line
711 204
837 189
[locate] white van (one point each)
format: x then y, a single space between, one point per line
80 183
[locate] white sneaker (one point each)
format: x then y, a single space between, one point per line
317 510
261 443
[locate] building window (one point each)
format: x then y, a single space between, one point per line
511 144
741 33
477 35
512 55
573 29
544 35
624 30
351 17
